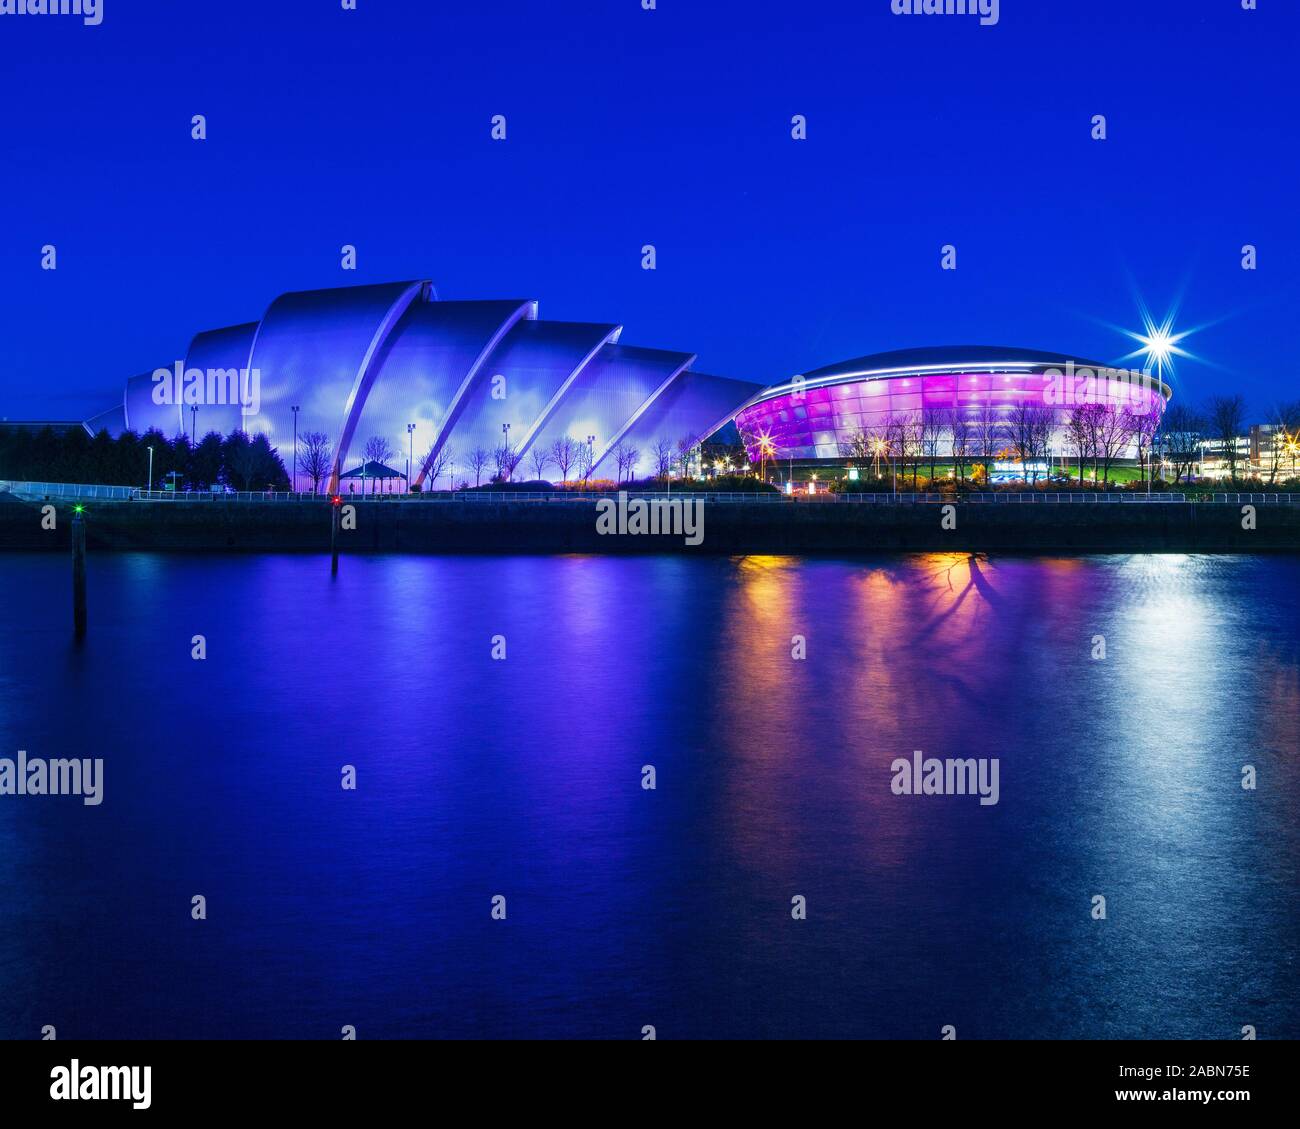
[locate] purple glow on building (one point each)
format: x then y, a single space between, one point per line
819 415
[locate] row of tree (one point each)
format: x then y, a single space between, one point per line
243 462
1092 435
505 463
237 461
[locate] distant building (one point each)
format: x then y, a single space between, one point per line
1266 451
58 426
897 400
435 381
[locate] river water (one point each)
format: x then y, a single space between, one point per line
676 907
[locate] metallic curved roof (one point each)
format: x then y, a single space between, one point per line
437 380
955 356
938 360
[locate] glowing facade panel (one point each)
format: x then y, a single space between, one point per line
218 353
433 358
691 408
820 416
315 349
608 394
520 381
143 411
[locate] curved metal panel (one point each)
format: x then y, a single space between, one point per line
534 361
423 372
222 356
693 407
609 392
314 348
152 404
113 421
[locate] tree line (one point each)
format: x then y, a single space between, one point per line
237 461
447 468
1094 435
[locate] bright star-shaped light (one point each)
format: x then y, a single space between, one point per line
1159 344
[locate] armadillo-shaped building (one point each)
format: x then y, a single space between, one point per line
360 362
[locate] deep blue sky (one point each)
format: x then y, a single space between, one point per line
669 127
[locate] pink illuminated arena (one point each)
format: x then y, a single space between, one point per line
985 396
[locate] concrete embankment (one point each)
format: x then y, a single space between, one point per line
422 526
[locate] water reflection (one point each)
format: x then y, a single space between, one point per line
1119 775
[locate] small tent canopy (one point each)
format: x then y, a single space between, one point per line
373 469
372 472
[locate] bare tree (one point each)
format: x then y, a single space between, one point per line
1142 426
1078 436
1042 423
686 451
314 457
586 461
378 449
989 429
436 463
541 459
932 426
478 459
959 427
1227 416
663 455
564 453
506 459
627 458
1276 442
855 448
748 442
1179 439
1113 435
620 459
1022 435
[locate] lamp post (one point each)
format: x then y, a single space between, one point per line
150 489
194 424
767 450
294 487
591 456
410 453
505 454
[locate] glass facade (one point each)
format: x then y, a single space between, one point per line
821 418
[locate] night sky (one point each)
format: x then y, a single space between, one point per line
670 127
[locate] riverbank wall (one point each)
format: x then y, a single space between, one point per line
725 527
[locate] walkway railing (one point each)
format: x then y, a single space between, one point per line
82 491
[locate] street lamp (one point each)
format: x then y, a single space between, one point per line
591 456
150 450
294 487
410 453
194 424
505 454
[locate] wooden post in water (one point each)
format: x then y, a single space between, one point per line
334 536
78 574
